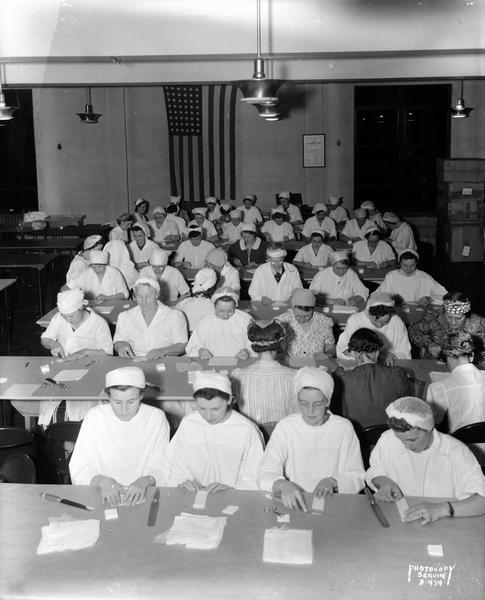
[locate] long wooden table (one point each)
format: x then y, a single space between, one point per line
355 558
41 245
112 308
38 262
79 231
174 398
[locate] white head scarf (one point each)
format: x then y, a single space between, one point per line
70 301
339 255
204 280
91 241
131 376
314 377
148 281
159 258
318 207
212 379
225 291
275 252
98 257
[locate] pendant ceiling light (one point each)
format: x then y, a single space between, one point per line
89 116
261 91
460 111
6 112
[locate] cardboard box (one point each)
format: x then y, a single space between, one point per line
463 242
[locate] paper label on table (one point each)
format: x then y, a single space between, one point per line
318 504
45 369
138 359
402 507
465 251
200 499
161 367
223 361
288 546
187 366
326 309
3 380
110 513
435 549
283 518
20 390
467 191
103 310
230 510
344 309
71 375
191 376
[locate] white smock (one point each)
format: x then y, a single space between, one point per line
221 337
278 233
306 254
382 253
195 309
231 233
251 215
123 450
119 257
172 282
229 277
167 327
402 238
447 469
327 224
394 335
306 454
168 228
228 452
77 266
265 284
352 230
412 288
195 255
111 283
333 286
141 255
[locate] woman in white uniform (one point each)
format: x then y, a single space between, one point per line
140 248
141 210
314 254
81 261
215 448
151 329
101 281
413 459
372 251
73 333
276 280
277 229
172 283
122 445
338 284
199 304
225 333
163 230
314 451
119 258
320 220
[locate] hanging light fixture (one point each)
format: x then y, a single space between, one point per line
6 112
261 91
89 116
460 111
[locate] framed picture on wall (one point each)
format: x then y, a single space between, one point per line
314 150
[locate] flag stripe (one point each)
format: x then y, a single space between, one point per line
210 138
222 116
232 144
206 165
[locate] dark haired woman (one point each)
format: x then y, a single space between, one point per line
379 316
215 447
429 333
364 392
265 388
413 459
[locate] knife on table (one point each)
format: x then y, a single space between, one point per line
152 515
54 498
375 507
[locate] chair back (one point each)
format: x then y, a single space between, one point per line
369 436
18 468
471 434
61 438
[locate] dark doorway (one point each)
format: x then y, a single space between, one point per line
18 176
400 131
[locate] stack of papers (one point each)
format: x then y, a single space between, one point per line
196 531
288 546
61 535
344 309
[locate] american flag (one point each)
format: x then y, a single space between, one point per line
202 140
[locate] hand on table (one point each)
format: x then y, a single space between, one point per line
427 511
99 299
190 485
388 491
204 354
337 301
156 353
243 354
354 300
58 351
217 487
266 301
136 491
292 496
110 490
325 487
125 351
